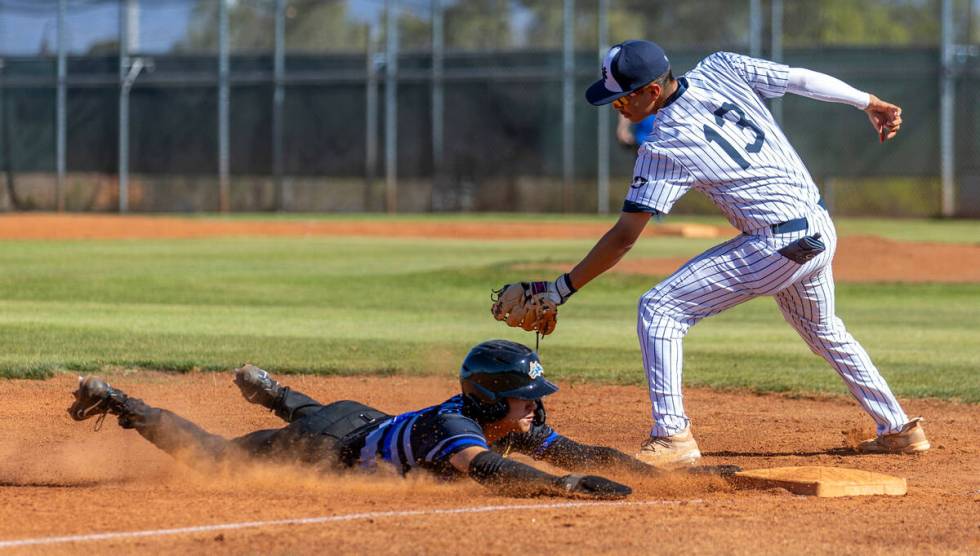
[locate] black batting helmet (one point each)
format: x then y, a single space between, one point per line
500 369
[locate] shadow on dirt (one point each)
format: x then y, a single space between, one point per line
830 452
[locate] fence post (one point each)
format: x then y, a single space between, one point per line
278 97
123 111
777 52
947 103
61 108
602 191
755 28
437 99
391 107
6 152
568 103
371 115
223 185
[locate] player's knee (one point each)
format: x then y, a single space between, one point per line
652 302
653 321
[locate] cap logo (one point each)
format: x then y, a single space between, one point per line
607 74
535 370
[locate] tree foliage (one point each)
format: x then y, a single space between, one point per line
322 25
869 22
311 25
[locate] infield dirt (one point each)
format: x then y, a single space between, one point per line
59 477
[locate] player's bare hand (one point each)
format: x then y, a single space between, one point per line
623 133
885 117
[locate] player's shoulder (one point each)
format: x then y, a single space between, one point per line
720 61
448 417
457 423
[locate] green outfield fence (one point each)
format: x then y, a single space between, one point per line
442 105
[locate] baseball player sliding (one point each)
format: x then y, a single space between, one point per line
713 133
499 410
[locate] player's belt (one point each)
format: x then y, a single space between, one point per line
794 225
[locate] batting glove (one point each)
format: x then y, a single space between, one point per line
557 291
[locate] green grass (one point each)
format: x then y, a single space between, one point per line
346 305
938 231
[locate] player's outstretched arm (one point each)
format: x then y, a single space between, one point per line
575 456
610 248
533 306
886 118
514 478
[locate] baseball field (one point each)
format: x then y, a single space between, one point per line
383 309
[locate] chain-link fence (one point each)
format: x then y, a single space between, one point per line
437 105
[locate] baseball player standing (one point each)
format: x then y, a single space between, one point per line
713 133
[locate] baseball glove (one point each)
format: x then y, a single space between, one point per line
526 305
532 306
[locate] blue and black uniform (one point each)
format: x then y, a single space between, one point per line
350 434
428 438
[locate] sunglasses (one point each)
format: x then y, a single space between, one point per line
622 101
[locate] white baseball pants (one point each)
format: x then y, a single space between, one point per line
734 272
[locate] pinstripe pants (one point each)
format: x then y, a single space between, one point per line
734 272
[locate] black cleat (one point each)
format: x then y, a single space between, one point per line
258 386
95 397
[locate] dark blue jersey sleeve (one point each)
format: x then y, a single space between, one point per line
442 436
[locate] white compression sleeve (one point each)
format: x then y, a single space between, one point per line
820 86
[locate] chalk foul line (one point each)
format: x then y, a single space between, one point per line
115 535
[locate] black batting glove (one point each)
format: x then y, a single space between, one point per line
592 486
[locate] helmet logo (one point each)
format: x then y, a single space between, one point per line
535 370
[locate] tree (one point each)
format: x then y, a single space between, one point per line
311 25
869 22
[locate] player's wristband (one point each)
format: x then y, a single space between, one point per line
564 287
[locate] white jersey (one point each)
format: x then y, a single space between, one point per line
716 135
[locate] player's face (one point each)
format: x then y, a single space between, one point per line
638 104
520 416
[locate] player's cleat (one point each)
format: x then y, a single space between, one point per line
670 452
95 397
258 386
911 439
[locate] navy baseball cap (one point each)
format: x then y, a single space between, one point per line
627 67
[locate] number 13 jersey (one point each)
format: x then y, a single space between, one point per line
716 135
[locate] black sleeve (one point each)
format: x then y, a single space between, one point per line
571 455
532 443
510 477
516 479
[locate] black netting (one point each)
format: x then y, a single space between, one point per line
502 94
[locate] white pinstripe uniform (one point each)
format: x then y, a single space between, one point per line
715 135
